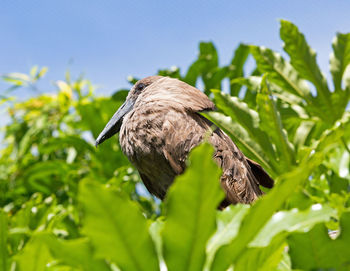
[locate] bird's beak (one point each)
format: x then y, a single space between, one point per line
114 124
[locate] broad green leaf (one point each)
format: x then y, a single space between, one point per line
191 205
303 59
271 123
246 117
316 250
240 136
3 240
155 231
228 222
236 67
59 143
262 259
251 82
258 216
280 72
35 256
76 253
206 63
292 221
117 228
340 58
261 212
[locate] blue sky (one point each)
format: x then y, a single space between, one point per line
109 40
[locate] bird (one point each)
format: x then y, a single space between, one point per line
160 123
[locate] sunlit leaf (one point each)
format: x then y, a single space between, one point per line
340 58
191 208
228 223
236 67
262 259
35 256
303 59
271 124
117 228
315 249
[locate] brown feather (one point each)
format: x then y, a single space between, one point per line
163 127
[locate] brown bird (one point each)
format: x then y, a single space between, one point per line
159 124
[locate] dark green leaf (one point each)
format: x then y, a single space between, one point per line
315 249
3 240
117 228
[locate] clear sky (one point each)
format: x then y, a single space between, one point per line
109 40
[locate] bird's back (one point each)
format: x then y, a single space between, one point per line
158 141
161 124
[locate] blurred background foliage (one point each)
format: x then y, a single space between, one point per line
66 205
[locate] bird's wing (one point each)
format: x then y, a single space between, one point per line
181 132
260 174
241 176
150 187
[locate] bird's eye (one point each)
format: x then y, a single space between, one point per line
140 87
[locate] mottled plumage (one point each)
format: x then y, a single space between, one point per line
159 124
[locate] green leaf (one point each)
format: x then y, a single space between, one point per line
35 256
292 221
280 72
191 208
262 259
16 78
258 216
75 253
340 58
3 240
42 72
236 68
264 208
303 59
117 228
271 123
33 71
206 63
316 250
228 222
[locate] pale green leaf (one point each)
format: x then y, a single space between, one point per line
292 221
191 205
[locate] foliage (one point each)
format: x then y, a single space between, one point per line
68 206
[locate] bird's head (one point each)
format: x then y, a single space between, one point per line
159 91
113 126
